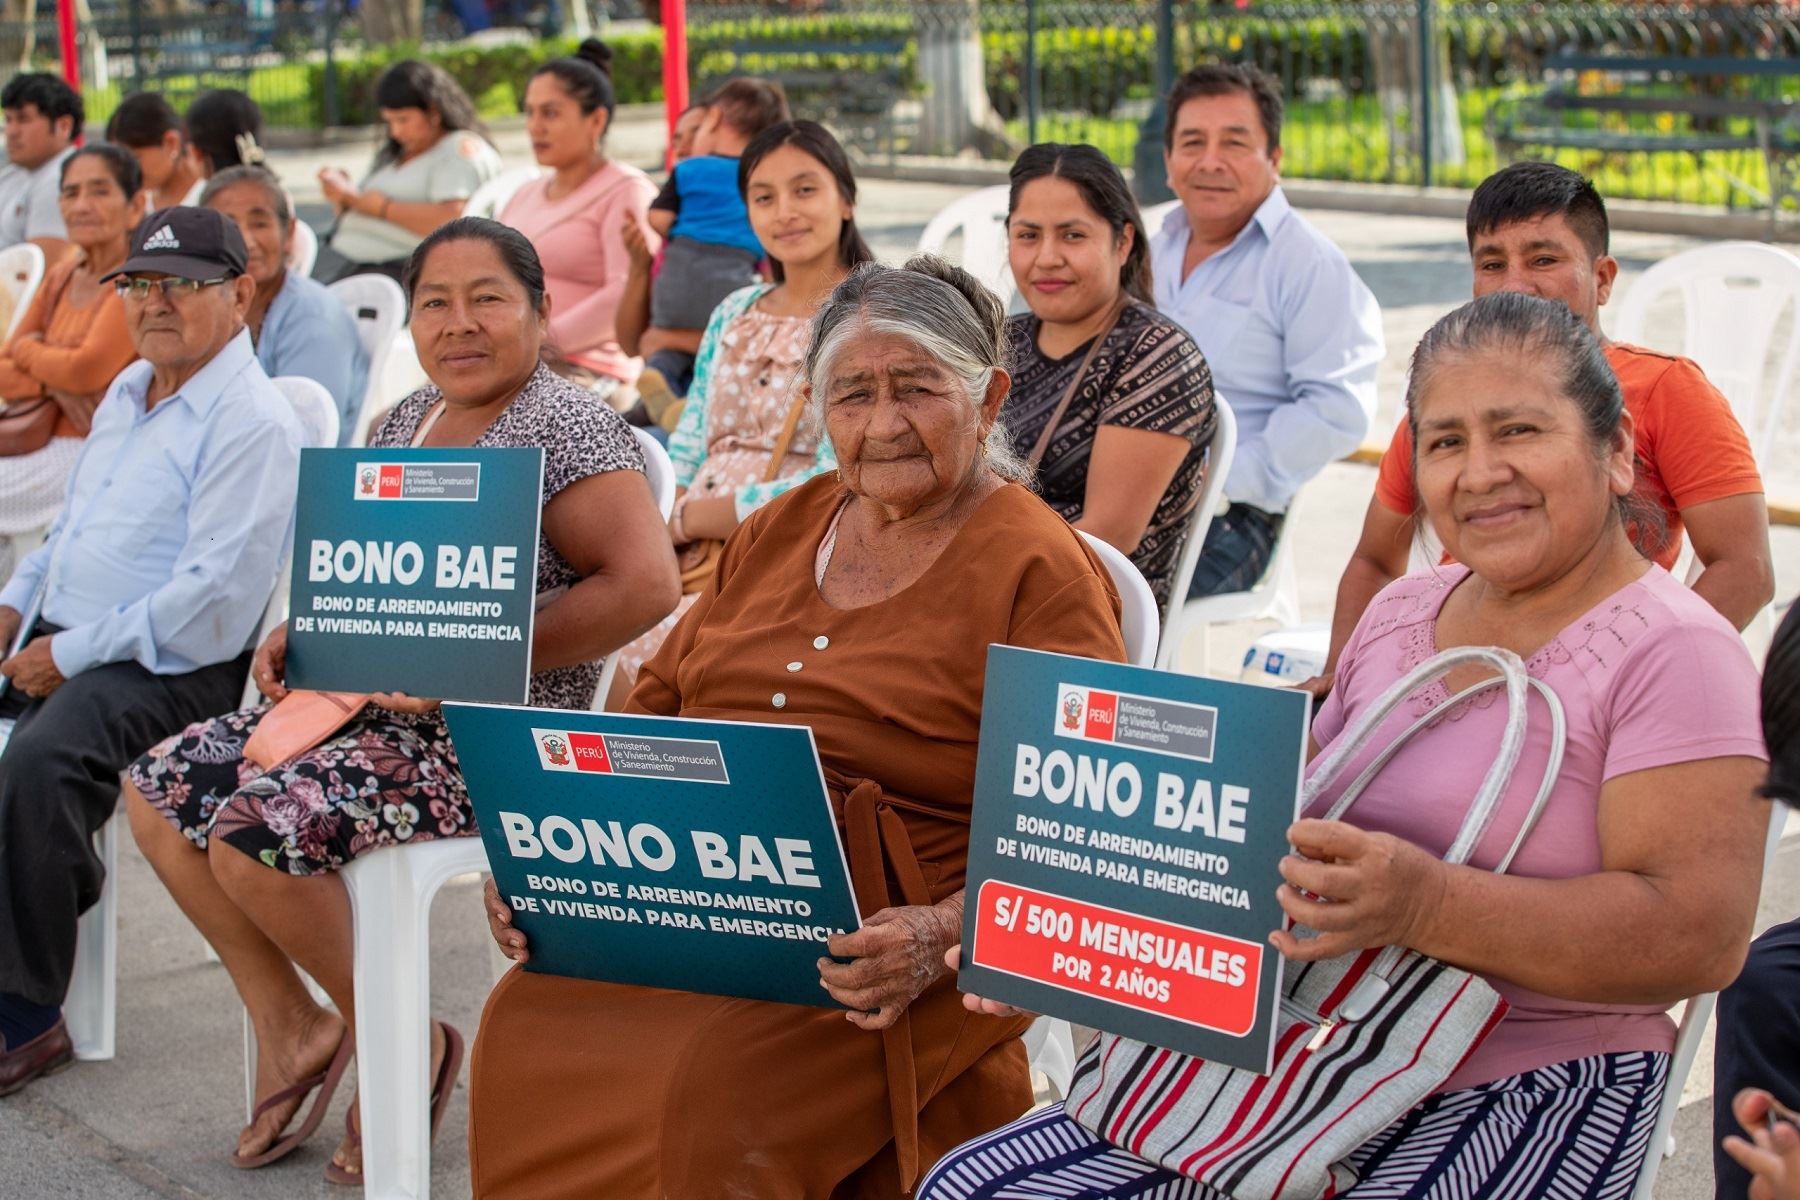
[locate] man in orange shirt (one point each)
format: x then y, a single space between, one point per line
1539 228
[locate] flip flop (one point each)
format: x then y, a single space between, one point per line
326 1081
441 1087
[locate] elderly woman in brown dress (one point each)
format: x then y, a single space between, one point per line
584 1089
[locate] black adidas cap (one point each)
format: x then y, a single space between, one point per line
189 243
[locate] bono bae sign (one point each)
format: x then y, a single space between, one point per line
696 855
1123 858
415 571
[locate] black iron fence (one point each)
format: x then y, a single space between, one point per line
1696 103
1668 102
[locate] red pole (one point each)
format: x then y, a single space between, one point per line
675 67
65 33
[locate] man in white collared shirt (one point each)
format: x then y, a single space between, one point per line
146 596
1293 337
43 119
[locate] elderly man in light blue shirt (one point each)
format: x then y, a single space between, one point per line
138 611
1293 337
299 327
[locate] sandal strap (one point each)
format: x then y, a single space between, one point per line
285 1094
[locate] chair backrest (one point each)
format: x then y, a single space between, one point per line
318 415
305 251
313 405
1694 1016
401 375
1156 214
659 469
1733 296
1137 604
21 270
491 197
981 219
378 307
1219 453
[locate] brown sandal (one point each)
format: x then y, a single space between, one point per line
441 1087
326 1081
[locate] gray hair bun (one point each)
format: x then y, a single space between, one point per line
989 312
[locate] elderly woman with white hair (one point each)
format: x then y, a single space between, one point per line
586 1089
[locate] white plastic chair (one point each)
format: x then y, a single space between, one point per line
1156 214
1219 454
313 405
21 270
378 306
1733 295
489 200
401 375
1050 1044
1137 603
390 894
981 219
305 250
1694 1016
91 1007
1274 597
660 471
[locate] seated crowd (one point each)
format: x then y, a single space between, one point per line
849 437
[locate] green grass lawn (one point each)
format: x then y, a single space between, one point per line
281 91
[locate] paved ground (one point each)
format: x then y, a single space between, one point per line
159 1120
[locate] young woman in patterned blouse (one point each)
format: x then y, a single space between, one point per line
744 438
1127 456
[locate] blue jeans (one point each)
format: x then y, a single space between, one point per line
1239 544
677 369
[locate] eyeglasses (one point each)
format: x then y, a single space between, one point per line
134 288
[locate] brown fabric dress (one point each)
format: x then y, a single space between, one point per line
582 1089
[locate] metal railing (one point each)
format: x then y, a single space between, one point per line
1379 91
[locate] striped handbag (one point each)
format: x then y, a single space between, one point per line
1360 1039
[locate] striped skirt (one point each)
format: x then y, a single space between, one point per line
1573 1131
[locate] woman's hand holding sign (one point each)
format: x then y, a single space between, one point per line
1357 889
270 663
400 702
980 1004
896 954
510 940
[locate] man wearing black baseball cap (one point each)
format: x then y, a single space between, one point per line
143 600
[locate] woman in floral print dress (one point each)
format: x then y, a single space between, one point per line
797 183
213 823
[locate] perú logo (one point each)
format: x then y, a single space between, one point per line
1074 704
380 481
1086 713
566 750
162 239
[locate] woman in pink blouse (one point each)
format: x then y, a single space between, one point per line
1638 885
574 212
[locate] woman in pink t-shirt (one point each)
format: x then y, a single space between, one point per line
1638 886
574 212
